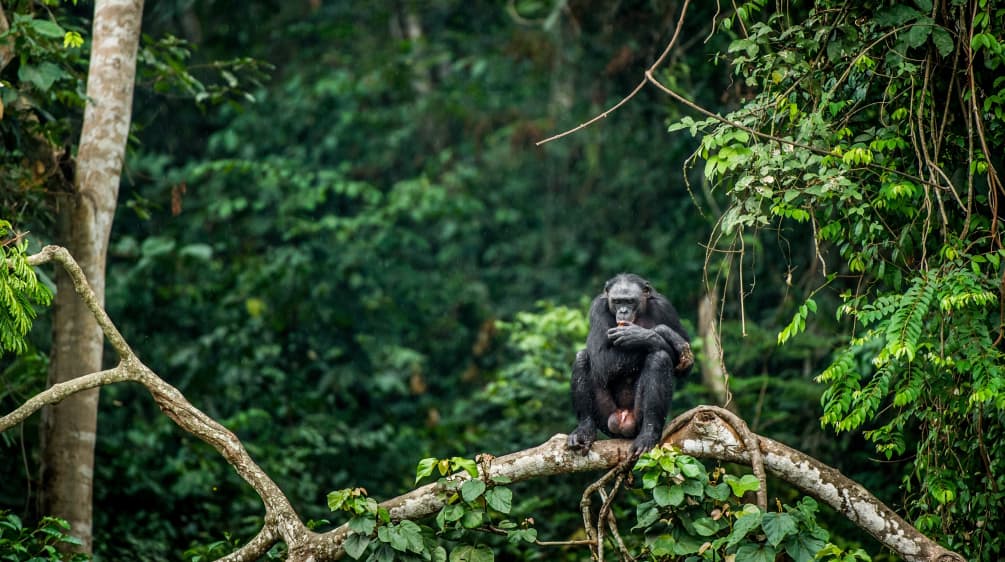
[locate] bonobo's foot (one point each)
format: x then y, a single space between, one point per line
645 441
582 438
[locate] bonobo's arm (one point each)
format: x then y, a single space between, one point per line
680 345
660 338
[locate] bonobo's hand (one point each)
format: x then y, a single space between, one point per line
631 336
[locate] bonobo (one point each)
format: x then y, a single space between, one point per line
623 381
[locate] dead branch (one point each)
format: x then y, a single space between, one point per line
705 432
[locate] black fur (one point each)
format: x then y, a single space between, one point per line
628 370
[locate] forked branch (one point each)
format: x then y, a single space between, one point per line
705 432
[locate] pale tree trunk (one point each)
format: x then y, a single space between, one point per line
85 221
713 373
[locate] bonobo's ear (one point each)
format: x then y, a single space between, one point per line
647 290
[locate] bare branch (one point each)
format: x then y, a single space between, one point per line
57 392
638 87
281 520
705 432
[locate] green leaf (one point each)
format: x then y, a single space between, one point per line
943 40
472 490
453 512
355 545
755 553
425 468
804 547
48 28
412 535
362 525
471 519
468 553
690 467
646 513
467 465
719 492
919 32
526 535
746 521
740 486
41 76
897 15
705 526
500 499
668 495
693 488
777 526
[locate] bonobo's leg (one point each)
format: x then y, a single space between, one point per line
652 400
583 399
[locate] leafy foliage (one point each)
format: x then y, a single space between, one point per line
38 543
472 504
695 515
20 292
873 124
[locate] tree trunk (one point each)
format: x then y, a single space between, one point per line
85 222
713 374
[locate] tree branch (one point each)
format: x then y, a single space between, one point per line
704 432
638 87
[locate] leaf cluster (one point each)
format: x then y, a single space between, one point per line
696 515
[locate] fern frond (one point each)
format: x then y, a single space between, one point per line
904 328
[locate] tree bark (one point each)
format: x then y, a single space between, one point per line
713 374
85 222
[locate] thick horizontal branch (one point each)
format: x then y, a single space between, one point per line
706 435
705 432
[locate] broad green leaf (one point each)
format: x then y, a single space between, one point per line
412 534
425 468
453 512
693 488
777 526
362 525
42 76
500 499
755 553
691 469
745 522
646 514
705 526
740 486
48 28
355 545
472 490
471 519
468 553
943 40
668 495
467 465
803 547
719 492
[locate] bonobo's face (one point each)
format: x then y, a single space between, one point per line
626 300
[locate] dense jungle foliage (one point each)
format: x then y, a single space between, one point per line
337 236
